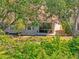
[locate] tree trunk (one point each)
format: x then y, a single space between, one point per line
75 22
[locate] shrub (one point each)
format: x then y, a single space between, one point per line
56 49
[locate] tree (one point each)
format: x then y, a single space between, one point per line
24 9
64 9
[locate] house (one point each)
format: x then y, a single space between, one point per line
48 27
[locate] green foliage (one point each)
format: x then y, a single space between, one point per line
1 32
56 49
24 9
61 7
27 9
56 6
64 9
35 23
67 27
19 25
74 45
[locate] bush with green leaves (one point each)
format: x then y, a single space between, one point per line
55 49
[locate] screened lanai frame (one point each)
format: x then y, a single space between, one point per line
46 27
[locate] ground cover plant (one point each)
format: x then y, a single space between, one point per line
45 49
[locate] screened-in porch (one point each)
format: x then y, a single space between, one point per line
46 28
